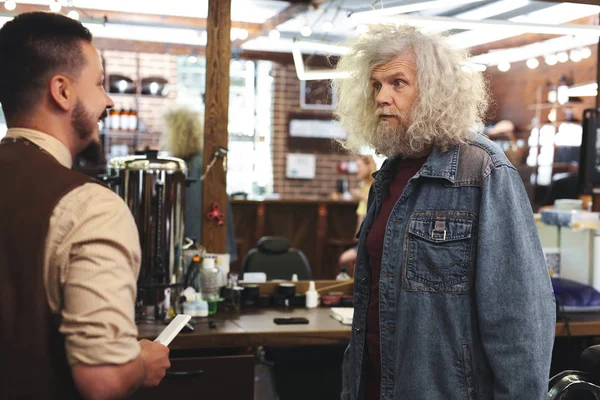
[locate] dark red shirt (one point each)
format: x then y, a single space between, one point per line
406 169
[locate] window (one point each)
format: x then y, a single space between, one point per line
249 165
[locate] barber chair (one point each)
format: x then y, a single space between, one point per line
579 385
277 260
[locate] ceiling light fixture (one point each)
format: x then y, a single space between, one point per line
242 34
562 57
551 59
274 34
448 23
532 63
307 75
55 6
73 14
504 66
305 31
10 5
585 53
374 15
327 26
583 90
575 55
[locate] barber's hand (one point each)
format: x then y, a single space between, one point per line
156 362
348 257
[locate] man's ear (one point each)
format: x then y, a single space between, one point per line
61 92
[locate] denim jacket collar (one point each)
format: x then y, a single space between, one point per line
439 164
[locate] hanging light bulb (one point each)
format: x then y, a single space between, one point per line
55 6
532 63
10 5
243 34
551 59
327 26
305 31
73 14
585 53
504 66
575 55
274 34
562 57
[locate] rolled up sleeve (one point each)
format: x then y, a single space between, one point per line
99 259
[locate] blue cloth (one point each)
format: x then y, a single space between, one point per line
467 309
575 295
195 215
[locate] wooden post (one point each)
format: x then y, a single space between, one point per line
218 56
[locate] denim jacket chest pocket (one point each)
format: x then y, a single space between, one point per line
439 252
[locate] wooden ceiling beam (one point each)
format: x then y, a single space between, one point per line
285 15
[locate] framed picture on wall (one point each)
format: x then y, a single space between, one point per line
316 95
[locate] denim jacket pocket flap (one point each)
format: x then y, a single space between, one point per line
439 247
440 229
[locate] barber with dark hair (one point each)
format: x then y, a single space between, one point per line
69 247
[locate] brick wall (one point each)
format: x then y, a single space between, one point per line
328 154
137 65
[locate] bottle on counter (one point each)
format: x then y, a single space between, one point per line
210 279
115 119
312 296
133 120
123 119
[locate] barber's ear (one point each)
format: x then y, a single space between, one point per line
61 92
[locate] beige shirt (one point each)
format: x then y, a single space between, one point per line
91 263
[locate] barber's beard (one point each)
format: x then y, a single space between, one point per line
390 138
85 125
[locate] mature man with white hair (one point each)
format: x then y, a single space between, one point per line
452 295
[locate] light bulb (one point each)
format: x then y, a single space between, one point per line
274 34
10 5
55 6
551 59
504 66
73 14
532 63
243 34
585 53
327 26
562 57
575 55
192 59
305 31
562 94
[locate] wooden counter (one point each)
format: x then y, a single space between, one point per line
256 328
580 324
320 228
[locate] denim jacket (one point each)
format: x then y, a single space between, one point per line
466 303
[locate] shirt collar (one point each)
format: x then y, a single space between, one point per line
53 146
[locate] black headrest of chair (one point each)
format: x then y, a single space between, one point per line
273 244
